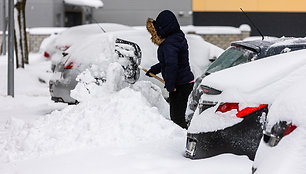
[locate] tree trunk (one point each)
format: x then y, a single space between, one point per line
24 34
21 43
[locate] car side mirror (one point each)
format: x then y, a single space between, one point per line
64 54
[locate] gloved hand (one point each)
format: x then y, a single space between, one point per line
148 73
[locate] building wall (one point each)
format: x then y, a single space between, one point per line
136 12
273 17
50 13
39 13
58 13
224 40
250 5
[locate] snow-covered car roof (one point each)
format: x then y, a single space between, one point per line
272 46
76 34
259 81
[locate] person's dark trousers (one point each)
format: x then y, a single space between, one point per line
178 104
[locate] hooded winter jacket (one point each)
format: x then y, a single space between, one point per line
172 52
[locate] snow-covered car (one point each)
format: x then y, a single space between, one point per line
282 148
94 55
200 53
241 52
53 46
235 102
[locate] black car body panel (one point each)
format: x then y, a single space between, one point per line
247 135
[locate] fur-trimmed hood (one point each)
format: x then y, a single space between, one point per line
166 24
150 27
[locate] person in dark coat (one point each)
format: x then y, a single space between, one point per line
173 57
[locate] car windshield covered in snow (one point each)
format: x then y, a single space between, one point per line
231 57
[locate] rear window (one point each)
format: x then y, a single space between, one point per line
231 57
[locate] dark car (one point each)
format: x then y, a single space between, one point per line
242 52
241 138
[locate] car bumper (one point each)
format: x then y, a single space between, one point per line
60 93
241 139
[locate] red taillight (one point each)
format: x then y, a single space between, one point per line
240 113
209 91
69 65
62 48
248 110
46 54
290 128
66 47
205 90
227 107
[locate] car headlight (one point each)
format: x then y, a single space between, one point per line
278 131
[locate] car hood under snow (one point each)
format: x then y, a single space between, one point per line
259 81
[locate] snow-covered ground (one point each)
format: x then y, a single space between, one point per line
110 131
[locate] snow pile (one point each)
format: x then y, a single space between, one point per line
245 27
289 106
89 3
103 118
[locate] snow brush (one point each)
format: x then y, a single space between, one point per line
153 75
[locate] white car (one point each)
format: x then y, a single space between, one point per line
94 49
53 46
282 149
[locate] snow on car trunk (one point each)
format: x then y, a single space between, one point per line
98 50
289 155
